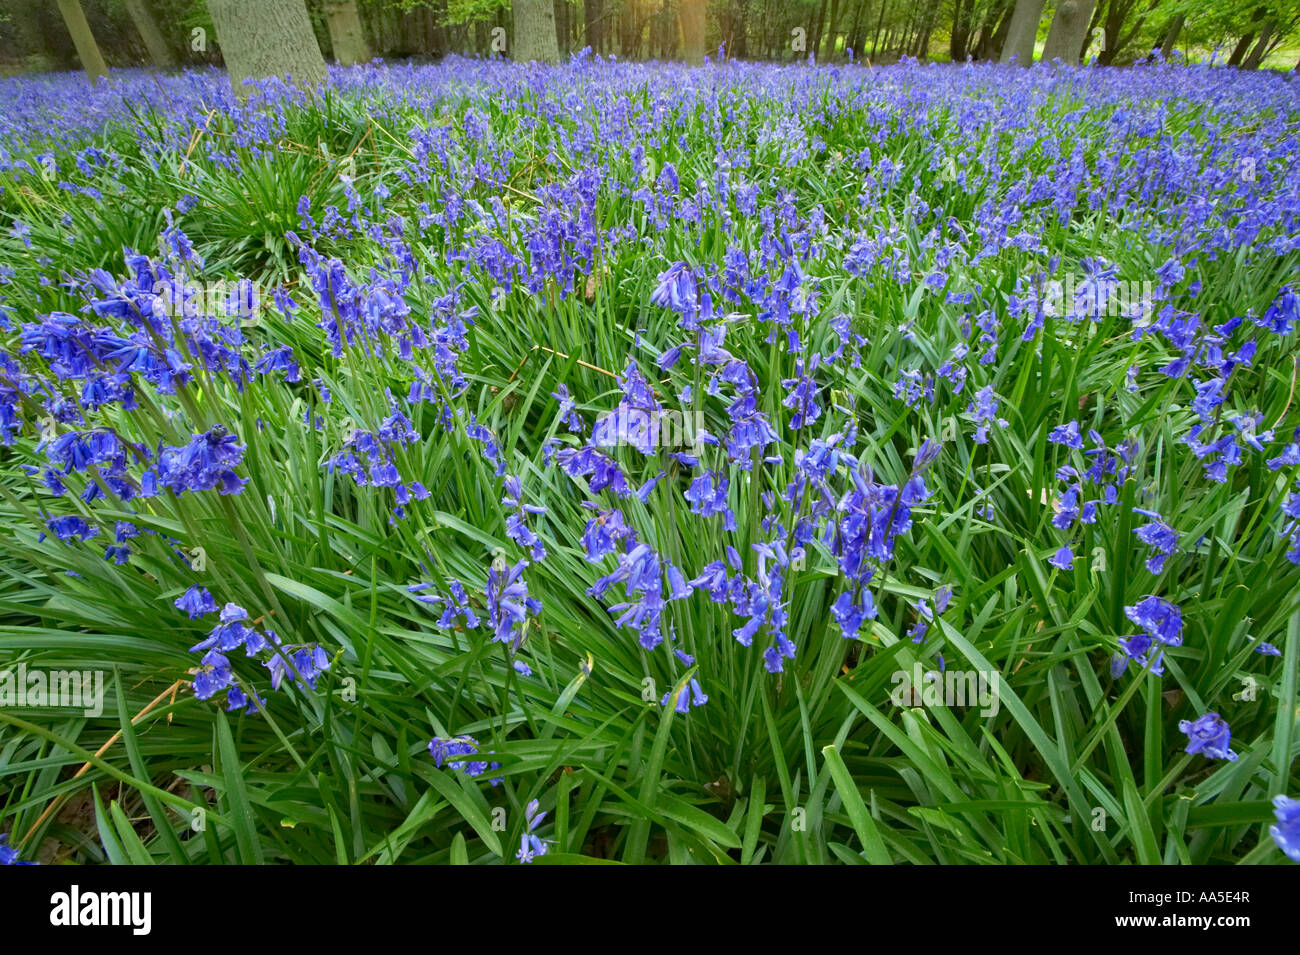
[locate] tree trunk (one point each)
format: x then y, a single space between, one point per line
87 50
815 38
1171 35
1239 51
1256 55
561 8
739 46
261 38
1098 11
880 20
828 49
345 32
626 22
1022 34
960 30
591 15
691 13
990 46
1243 45
1069 30
534 37
921 38
159 52
854 41
982 30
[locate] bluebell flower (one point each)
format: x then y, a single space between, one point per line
516 527
509 604
708 496
984 408
1208 735
687 696
1157 535
1162 622
8 854
1286 833
196 602
71 528
1068 435
446 750
207 462
213 675
530 845
568 414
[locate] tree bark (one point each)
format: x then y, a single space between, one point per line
960 30
1117 39
1171 35
880 20
692 17
159 52
1256 55
854 41
1243 45
828 48
1069 30
534 37
1239 51
591 15
262 38
87 50
815 37
345 32
738 48
1022 34
561 8
1098 11
990 45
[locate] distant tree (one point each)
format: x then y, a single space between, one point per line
262 38
87 50
692 17
1022 34
593 23
346 35
534 37
961 19
1172 30
828 49
1120 22
1069 31
159 52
